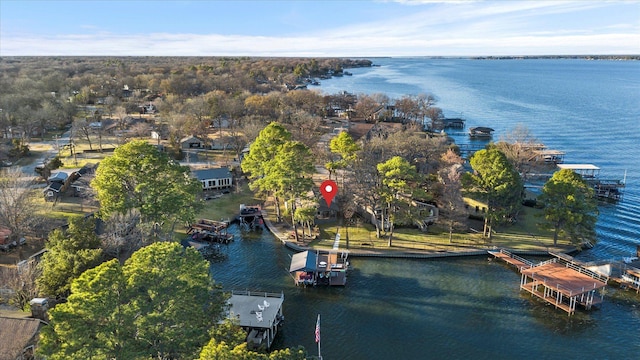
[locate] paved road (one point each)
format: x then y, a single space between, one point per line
45 155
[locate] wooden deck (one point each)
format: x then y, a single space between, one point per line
560 281
563 285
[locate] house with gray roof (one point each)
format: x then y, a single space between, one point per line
214 179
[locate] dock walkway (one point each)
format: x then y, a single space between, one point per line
512 259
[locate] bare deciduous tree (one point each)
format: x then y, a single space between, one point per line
21 281
452 205
520 146
17 202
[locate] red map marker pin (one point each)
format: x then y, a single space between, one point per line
329 189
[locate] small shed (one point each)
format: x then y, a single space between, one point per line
215 178
52 190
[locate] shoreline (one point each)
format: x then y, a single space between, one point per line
403 254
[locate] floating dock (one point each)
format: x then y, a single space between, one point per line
560 281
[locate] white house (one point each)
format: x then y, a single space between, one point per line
214 179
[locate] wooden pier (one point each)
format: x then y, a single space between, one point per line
560 281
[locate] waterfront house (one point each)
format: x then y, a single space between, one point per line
214 178
259 314
319 268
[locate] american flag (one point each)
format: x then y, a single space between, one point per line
318 329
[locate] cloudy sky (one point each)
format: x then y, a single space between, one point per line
318 28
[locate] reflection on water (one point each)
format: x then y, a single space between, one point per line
414 309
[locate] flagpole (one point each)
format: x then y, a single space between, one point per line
318 337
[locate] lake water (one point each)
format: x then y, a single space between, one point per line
470 307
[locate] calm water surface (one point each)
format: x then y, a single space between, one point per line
471 307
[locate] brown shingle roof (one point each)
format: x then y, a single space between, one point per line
15 335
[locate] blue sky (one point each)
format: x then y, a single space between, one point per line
318 28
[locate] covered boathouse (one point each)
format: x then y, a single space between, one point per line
609 189
560 281
259 314
319 268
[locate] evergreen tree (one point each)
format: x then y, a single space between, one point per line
259 161
139 177
159 304
69 253
495 181
569 207
400 183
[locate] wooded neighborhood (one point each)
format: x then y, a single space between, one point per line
129 151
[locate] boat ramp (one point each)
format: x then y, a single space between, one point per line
560 281
259 314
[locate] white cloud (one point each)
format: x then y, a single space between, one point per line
456 29
373 45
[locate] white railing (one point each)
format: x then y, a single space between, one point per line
257 293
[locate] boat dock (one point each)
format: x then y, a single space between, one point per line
259 314
210 231
560 281
607 189
251 216
319 268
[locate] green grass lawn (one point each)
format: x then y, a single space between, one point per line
228 205
523 235
66 207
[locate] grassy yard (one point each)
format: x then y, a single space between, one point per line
65 208
523 235
227 206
